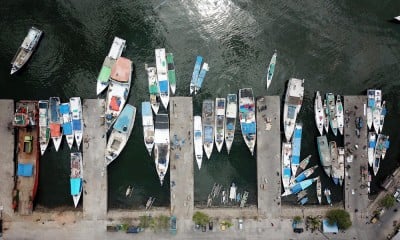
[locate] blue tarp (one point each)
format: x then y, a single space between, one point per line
64 108
371 144
296 188
291 111
197 134
76 185
327 228
164 87
146 109
67 128
371 102
124 120
301 177
287 172
230 126
25 169
249 128
77 124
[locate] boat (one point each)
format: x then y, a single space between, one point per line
118 90
382 116
370 106
397 18
198 140
376 113
154 89
296 147
161 145
319 191
150 202
230 124
326 117
300 186
162 76
271 69
238 197
129 191
55 121
334 161
65 112
247 117
77 119
208 126
243 201
319 113
200 79
305 174
339 114
232 192
26 49
330 100
327 193
303 200
27 169
148 126
371 147
376 164
303 164
340 173
301 194
117 47
44 128
292 106
219 123
382 144
196 72
224 197
171 72
324 154
76 176
286 169
120 133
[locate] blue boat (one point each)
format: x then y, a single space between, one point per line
304 200
296 146
300 186
208 126
76 176
196 72
67 123
327 193
200 79
305 174
247 117
162 76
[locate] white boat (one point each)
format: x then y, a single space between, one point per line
219 122
341 163
230 124
376 164
26 49
397 18
303 164
154 89
286 169
55 121
162 76
247 117
65 112
200 79
76 176
117 47
324 154
382 145
304 174
120 133
118 91
370 106
326 117
296 147
148 126
198 140
196 72
129 191
339 114
334 160
161 145
292 106
232 192
208 126
382 117
327 193
371 147
44 128
77 119
171 72
376 113
319 191
330 100
319 113
271 69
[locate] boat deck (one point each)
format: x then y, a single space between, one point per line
269 156
94 171
6 157
181 158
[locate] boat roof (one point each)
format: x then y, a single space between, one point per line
67 128
104 74
248 128
76 185
164 86
117 47
77 124
146 109
122 69
162 121
30 38
25 169
64 108
124 120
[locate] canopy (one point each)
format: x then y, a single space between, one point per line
327 228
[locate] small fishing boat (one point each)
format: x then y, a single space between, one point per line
65 112
303 200
44 128
301 194
150 202
247 117
198 140
120 133
238 197
77 119
376 113
219 123
300 186
305 174
303 164
371 147
161 145
319 191
271 69
382 144
129 191
330 99
148 126
55 121
324 154
376 164
26 49
200 79
118 90
382 117
397 18
232 192
326 117
327 193
230 124
208 126
76 177
117 47
162 76
171 72
296 147
196 72
286 169
154 89
334 161
341 167
370 106
243 201
319 113
292 106
339 114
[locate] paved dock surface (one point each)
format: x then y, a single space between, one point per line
356 204
6 157
94 171
268 156
181 157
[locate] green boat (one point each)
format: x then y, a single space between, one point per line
171 72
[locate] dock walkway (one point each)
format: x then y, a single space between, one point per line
268 156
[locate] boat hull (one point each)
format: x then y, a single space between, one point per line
247 117
208 126
198 140
271 69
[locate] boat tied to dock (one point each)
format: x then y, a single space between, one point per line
171 72
293 101
208 126
76 178
230 123
77 119
220 104
247 117
148 126
161 145
44 128
162 76
55 122
198 140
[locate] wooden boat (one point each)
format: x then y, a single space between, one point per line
370 106
26 49
324 154
44 128
154 89
376 113
319 113
171 72
334 160
339 114
76 177
319 191
65 112
326 118
330 99
162 76
198 140
382 117
120 133
208 126
271 69
247 117
296 147
161 145
77 119
371 147
303 164
341 166
292 106
230 124
219 123
55 121
305 174
148 126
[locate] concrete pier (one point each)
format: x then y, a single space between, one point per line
356 181
6 157
181 157
269 157
94 170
